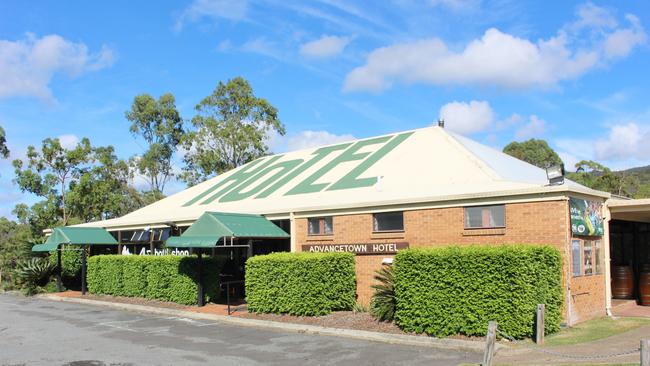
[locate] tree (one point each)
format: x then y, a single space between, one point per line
597 176
161 126
533 151
15 245
102 191
4 150
50 171
232 126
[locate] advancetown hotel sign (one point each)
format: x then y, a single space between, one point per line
374 248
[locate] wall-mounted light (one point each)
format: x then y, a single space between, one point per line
555 174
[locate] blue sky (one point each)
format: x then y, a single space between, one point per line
574 73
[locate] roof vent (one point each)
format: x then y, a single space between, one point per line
441 123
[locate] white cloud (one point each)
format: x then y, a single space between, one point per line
326 46
467 118
625 141
500 59
214 9
621 42
532 129
68 141
305 140
28 65
569 160
263 47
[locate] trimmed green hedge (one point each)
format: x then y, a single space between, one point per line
458 290
300 283
167 277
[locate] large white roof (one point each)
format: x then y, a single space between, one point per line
424 165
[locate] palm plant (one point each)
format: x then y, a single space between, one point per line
383 302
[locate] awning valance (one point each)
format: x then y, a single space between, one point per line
75 236
211 227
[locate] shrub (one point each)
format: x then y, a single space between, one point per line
457 290
382 304
300 283
167 278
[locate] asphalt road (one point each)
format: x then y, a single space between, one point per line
41 332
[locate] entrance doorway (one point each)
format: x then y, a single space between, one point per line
629 239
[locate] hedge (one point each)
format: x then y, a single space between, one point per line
458 290
168 278
300 283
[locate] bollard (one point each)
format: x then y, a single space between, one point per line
645 352
490 340
539 331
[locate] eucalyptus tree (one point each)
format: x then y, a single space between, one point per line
48 172
4 150
161 126
231 128
534 151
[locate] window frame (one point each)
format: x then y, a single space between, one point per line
595 248
377 231
321 225
465 218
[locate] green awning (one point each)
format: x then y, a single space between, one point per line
75 236
211 227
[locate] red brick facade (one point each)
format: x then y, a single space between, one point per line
528 223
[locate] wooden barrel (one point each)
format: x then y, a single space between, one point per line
644 289
644 285
622 282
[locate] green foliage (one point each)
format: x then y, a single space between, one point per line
533 151
383 302
300 283
161 126
34 273
167 278
594 175
4 151
458 290
70 266
232 127
15 246
50 170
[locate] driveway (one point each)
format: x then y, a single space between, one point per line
40 332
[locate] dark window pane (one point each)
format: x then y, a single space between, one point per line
320 226
388 221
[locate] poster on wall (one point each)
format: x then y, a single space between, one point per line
586 217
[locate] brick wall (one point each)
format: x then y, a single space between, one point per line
527 223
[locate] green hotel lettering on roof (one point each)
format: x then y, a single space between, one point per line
234 187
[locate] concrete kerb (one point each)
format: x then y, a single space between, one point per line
410 340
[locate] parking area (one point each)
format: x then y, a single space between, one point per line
40 332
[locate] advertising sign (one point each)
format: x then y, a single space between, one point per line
586 217
374 248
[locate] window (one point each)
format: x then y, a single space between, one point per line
388 221
586 257
576 259
483 217
320 226
598 256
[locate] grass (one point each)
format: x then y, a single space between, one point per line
593 330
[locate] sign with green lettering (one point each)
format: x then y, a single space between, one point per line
264 176
586 217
